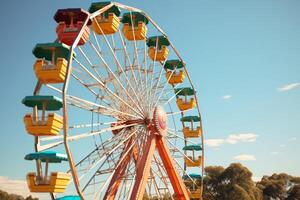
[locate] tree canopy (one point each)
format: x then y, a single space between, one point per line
235 183
6 196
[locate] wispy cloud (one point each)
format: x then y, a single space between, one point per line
245 157
293 139
289 87
226 97
214 142
18 187
231 139
244 137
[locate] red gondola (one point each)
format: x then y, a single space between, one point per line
70 22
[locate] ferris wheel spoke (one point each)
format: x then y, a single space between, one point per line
172 97
106 154
182 138
106 99
159 97
182 153
90 63
89 134
117 61
114 171
156 84
49 146
93 107
162 173
90 106
107 144
115 77
75 126
135 46
97 43
127 56
107 89
139 89
110 71
152 74
155 184
179 112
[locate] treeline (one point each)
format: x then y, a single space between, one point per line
235 183
231 183
6 196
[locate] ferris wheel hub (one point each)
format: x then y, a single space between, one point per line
160 121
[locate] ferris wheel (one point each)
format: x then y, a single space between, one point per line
115 113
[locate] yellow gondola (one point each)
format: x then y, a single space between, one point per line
51 63
193 182
196 194
134 26
57 182
108 22
193 161
158 48
174 72
42 126
191 131
185 103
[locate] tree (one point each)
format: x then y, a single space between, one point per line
233 183
279 186
294 193
6 196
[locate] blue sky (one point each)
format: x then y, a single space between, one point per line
243 57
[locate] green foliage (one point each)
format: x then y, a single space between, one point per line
294 193
6 196
235 183
279 186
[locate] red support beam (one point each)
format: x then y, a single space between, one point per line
180 191
119 173
143 169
